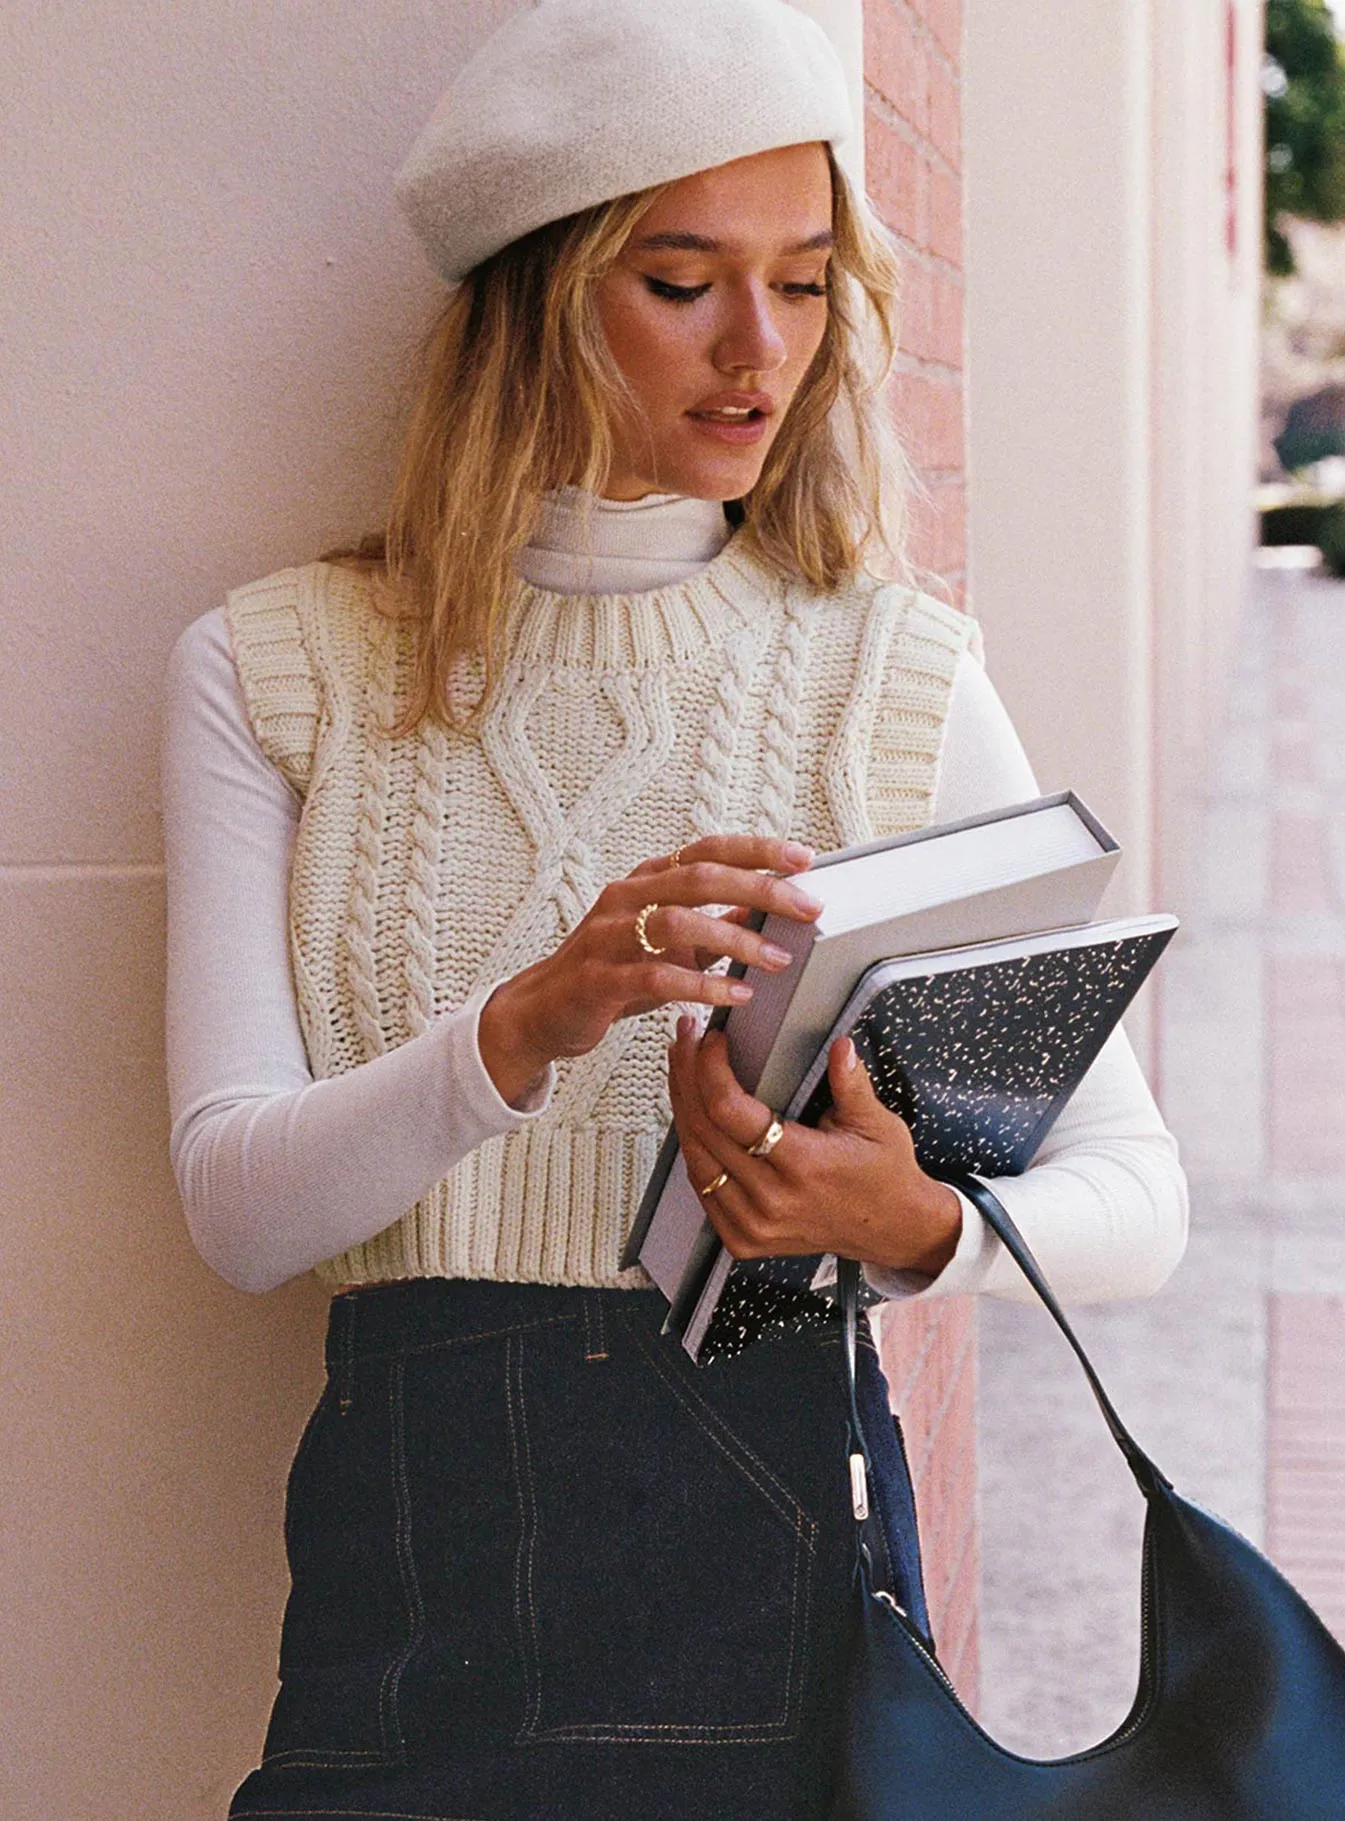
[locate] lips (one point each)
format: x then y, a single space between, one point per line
735 408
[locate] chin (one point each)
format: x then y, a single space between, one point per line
716 479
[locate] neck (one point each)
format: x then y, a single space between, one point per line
587 545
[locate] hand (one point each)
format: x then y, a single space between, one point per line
565 1004
849 1185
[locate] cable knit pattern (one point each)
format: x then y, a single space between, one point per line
622 725
780 735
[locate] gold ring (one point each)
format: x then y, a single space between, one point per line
718 1183
768 1140
675 858
640 923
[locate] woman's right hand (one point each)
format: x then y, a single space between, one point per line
566 1003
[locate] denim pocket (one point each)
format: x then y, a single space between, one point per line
663 1571
352 1615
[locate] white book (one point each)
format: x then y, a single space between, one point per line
1035 866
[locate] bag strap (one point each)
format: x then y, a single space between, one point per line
1147 1475
871 1543
996 1216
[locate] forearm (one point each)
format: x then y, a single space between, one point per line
275 1183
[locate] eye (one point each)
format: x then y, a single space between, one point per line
685 294
676 293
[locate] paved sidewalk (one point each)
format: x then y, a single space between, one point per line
1234 1376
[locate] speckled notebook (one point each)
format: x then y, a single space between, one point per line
978 1049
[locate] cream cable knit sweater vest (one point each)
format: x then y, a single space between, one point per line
621 726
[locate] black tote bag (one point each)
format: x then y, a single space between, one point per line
1240 1712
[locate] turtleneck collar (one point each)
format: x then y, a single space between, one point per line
586 545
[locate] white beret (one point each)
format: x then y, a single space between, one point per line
572 102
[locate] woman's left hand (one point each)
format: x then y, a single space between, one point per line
849 1185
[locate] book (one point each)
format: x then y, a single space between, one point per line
1031 866
978 1049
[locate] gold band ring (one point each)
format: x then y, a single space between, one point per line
675 858
768 1140
641 923
718 1183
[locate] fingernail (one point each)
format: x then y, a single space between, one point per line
807 902
795 850
779 957
849 1059
740 992
684 1024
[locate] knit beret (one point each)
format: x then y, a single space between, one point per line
572 102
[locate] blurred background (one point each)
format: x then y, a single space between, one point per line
1234 1376
1122 378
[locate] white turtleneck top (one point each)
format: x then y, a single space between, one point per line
279 1172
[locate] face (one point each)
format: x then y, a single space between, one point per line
713 312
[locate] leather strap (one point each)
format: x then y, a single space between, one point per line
1147 1475
997 1218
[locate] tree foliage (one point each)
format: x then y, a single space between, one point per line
1304 84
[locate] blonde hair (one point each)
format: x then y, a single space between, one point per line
518 392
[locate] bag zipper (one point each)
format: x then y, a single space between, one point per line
1144 1697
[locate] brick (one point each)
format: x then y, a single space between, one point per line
1300 865
932 314
896 60
928 411
930 1357
945 217
945 23
1306 1393
898 179
1295 763
945 113
939 529
948 327
917 311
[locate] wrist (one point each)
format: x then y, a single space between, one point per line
926 1232
515 1065
942 1223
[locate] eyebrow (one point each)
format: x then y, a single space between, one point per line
675 242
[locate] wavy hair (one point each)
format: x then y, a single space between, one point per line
517 392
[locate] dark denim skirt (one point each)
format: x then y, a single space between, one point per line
543 1566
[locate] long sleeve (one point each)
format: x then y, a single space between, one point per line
1104 1203
278 1172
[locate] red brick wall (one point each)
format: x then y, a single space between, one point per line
913 151
913 121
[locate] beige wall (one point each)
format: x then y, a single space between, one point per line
207 297
1112 394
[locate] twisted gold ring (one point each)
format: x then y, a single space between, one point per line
718 1183
641 922
768 1140
675 858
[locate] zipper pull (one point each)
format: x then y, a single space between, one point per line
859 1487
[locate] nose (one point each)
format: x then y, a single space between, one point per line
750 339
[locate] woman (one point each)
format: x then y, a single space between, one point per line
447 826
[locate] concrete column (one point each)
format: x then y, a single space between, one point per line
1059 357
1113 265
